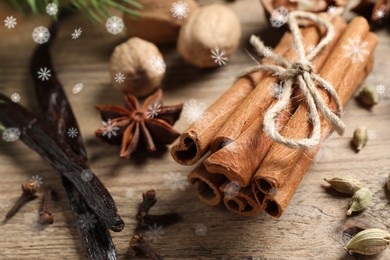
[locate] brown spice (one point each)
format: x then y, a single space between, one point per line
141 247
45 216
127 124
29 190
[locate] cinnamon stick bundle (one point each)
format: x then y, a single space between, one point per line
194 143
240 201
239 160
276 170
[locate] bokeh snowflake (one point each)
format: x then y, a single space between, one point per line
279 17
175 181
276 90
154 233
11 134
219 56
380 13
153 109
88 220
267 52
86 175
4 201
179 10
130 192
76 34
200 229
380 89
372 134
15 97
109 128
114 25
72 132
77 88
37 180
51 9
157 64
44 74
10 22
355 49
231 189
41 35
119 78
193 110
310 48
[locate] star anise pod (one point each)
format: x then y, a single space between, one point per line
132 124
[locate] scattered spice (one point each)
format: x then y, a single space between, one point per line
344 185
127 124
360 138
141 247
360 201
45 216
145 219
29 189
368 96
368 242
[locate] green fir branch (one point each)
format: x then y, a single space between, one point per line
96 10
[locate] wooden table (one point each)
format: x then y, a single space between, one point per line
312 225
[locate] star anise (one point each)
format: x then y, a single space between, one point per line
132 124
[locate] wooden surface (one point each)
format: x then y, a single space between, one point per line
311 227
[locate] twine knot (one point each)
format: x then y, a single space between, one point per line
302 72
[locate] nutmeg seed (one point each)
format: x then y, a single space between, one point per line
137 67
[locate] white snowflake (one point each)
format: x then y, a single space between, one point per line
355 49
334 11
114 25
276 90
119 78
37 180
11 134
157 64
77 88
179 10
77 33
73 132
380 13
193 110
44 74
175 181
153 109
88 220
109 128
10 22
380 89
51 9
4 202
267 52
130 193
279 17
372 134
154 233
310 48
219 56
231 189
41 35
15 97
200 230
86 175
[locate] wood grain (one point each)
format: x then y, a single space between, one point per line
312 225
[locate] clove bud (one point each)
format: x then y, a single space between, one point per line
360 138
360 201
344 185
368 96
141 247
29 189
368 242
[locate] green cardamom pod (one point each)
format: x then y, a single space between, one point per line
360 137
368 242
344 185
368 96
360 201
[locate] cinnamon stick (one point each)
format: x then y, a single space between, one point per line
276 204
259 100
239 160
280 159
239 200
194 143
207 185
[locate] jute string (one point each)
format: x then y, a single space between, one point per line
302 72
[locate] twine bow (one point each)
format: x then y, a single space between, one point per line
300 71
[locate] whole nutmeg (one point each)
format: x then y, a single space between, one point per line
210 31
137 67
160 20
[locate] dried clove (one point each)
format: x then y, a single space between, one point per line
145 219
45 216
29 189
141 247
